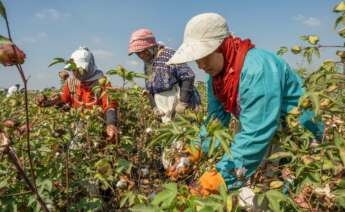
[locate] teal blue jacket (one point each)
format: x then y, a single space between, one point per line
268 90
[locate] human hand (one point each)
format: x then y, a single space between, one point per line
112 133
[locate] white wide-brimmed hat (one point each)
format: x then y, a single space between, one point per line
82 57
203 34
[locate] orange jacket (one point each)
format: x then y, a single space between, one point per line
79 94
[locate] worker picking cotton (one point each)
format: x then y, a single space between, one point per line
170 87
252 85
12 90
77 90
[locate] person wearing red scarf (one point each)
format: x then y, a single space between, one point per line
77 90
253 85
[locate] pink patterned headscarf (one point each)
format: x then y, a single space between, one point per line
141 39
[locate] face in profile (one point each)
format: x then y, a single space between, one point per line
213 64
145 56
78 72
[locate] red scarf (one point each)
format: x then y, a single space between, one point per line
225 84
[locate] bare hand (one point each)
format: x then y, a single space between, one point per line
112 133
41 100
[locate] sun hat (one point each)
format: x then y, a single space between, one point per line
140 40
82 57
203 34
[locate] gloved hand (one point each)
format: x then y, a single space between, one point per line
180 168
181 107
194 154
209 183
183 165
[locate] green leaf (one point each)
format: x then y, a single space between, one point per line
304 37
223 192
103 168
342 33
46 185
112 72
123 201
328 164
4 40
131 199
340 19
166 198
124 165
341 184
340 198
2 9
328 65
308 53
340 144
207 209
56 61
209 205
212 146
144 208
282 50
340 7
314 97
317 52
274 198
280 155
140 75
125 198
97 90
260 199
223 142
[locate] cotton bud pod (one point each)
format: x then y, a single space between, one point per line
339 7
276 184
11 55
9 123
102 81
313 39
325 103
332 88
296 49
306 103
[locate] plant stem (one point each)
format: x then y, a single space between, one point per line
18 194
322 154
67 161
22 75
8 28
12 155
21 72
14 159
330 46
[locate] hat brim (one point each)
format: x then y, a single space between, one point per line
140 48
194 50
67 67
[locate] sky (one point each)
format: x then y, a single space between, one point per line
48 29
